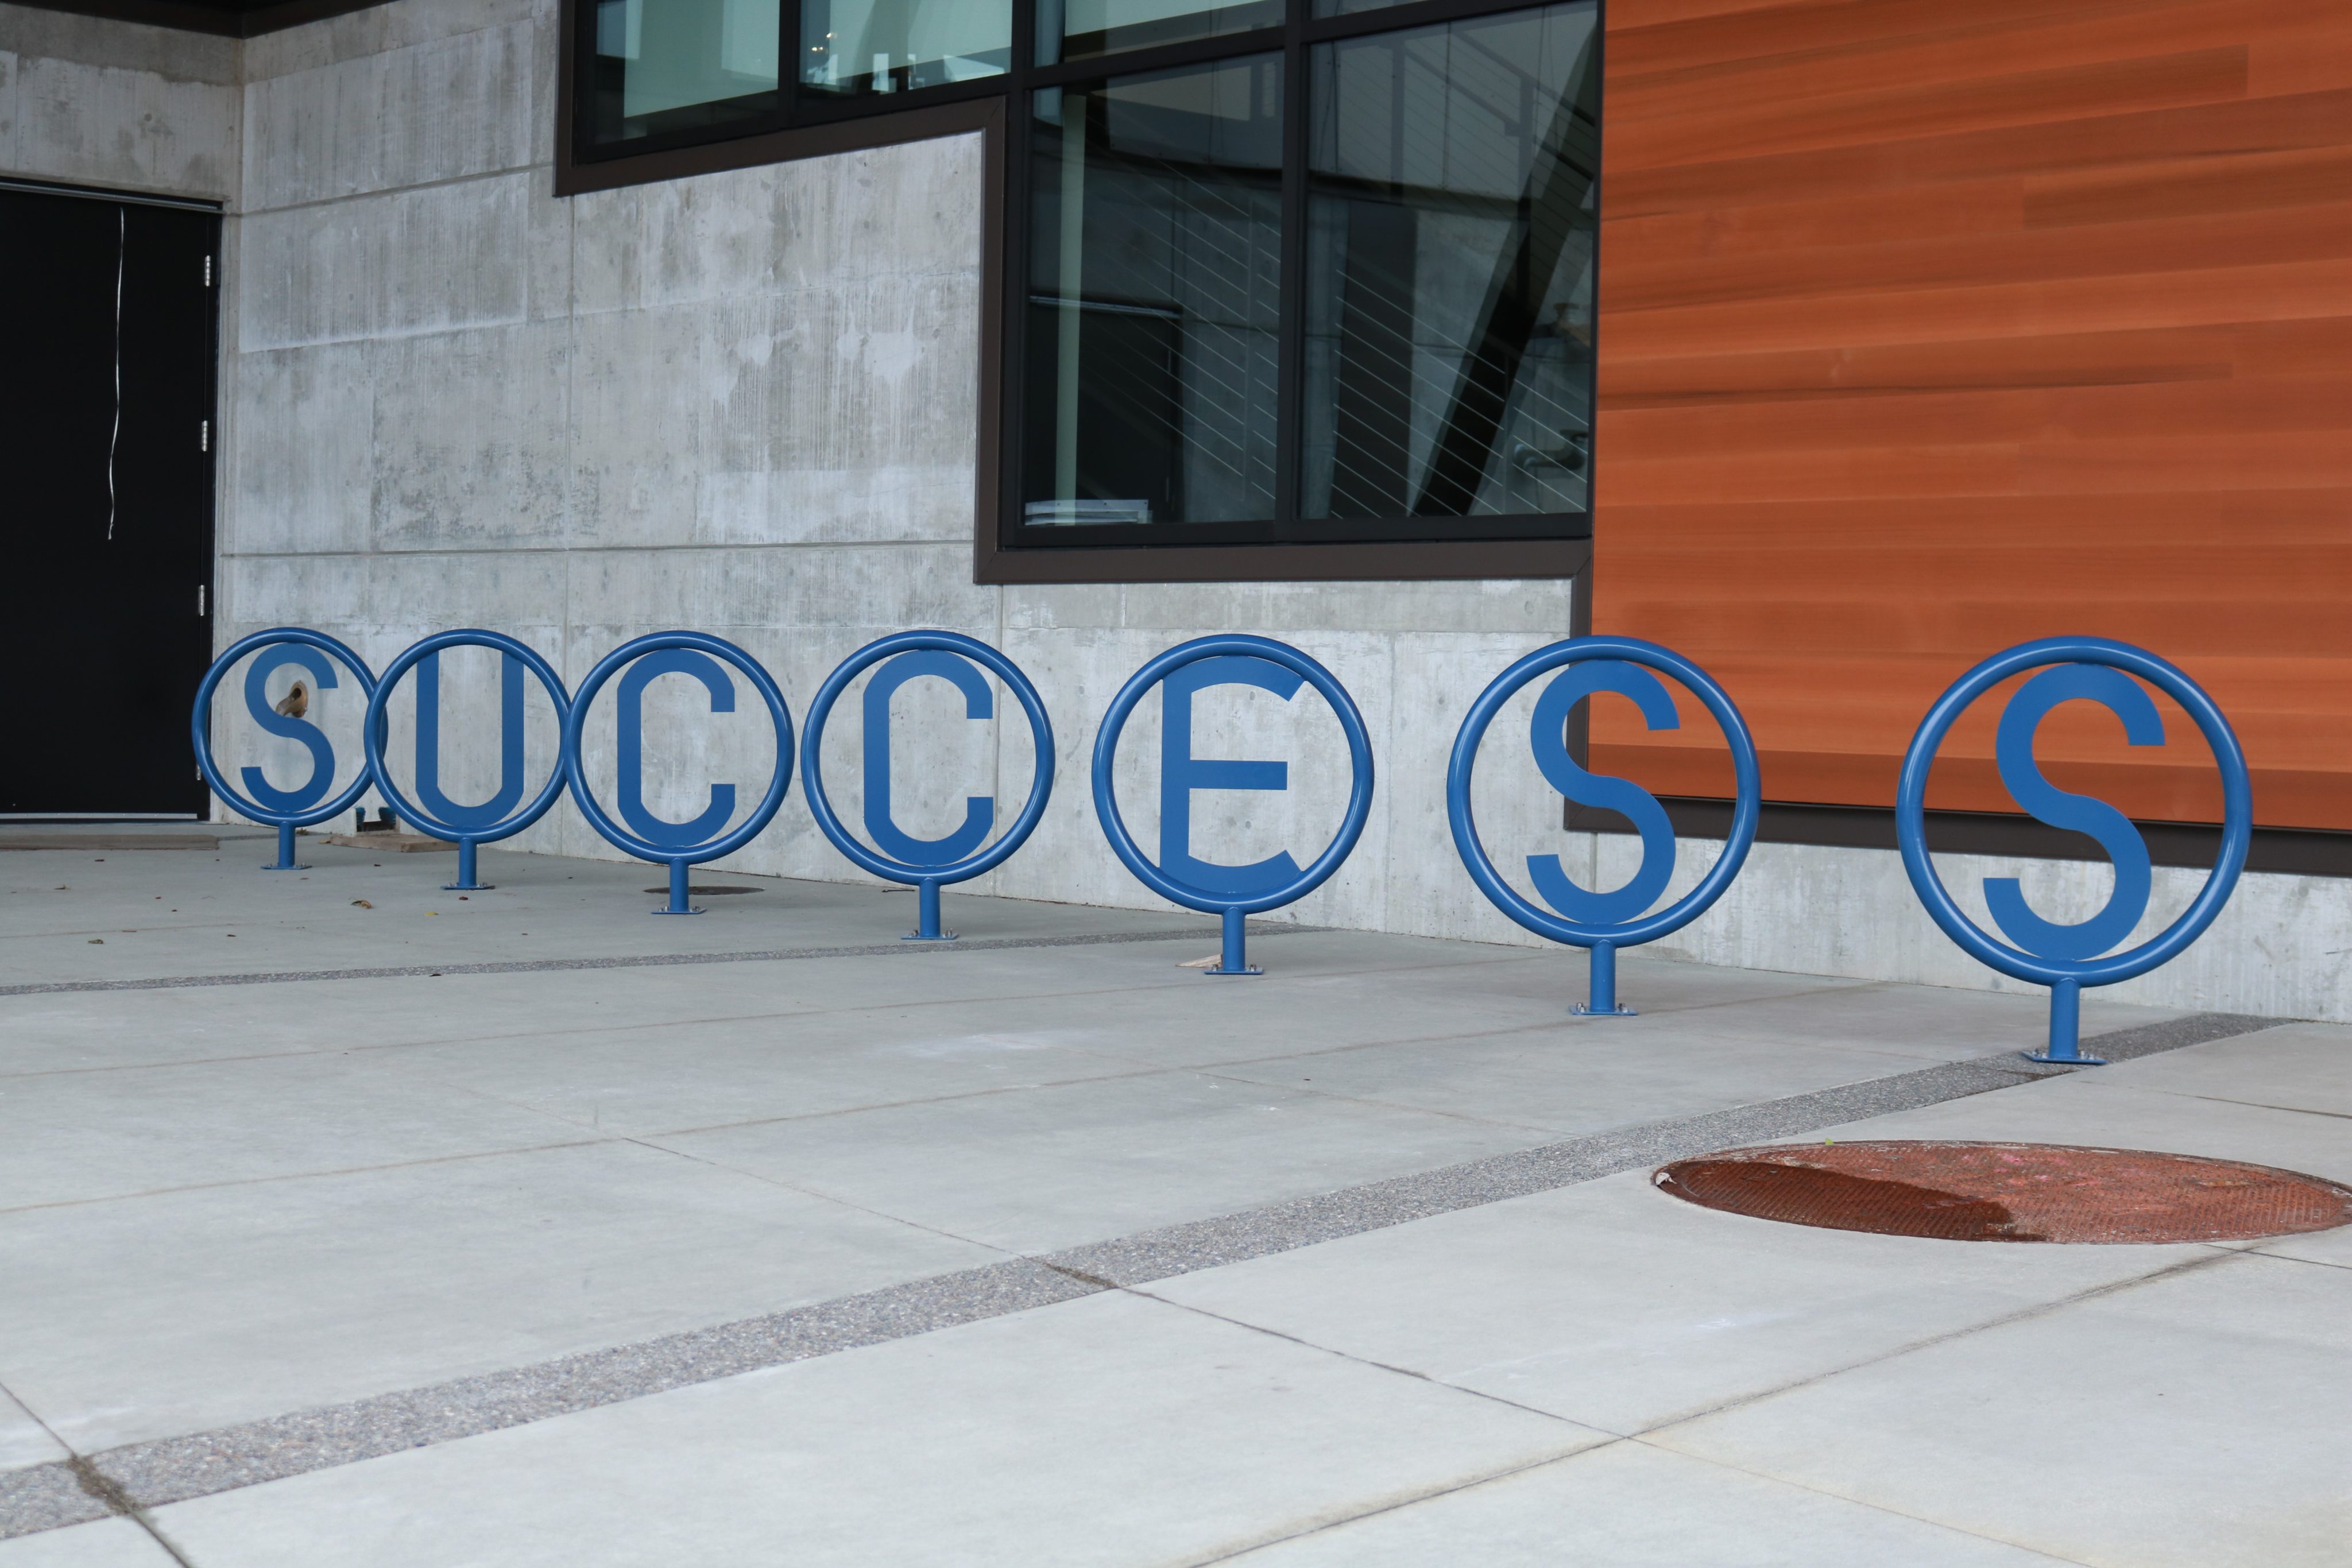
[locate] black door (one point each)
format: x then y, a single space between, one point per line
107 430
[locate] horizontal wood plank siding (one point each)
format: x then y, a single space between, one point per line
1928 329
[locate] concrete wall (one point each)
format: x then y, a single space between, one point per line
112 104
744 403
2278 946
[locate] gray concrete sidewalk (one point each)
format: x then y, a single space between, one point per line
529 1228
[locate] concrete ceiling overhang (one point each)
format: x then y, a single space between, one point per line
226 18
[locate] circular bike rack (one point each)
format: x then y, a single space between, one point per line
1603 939
676 858
1234 909
287 818
927 880
2067 976
378 727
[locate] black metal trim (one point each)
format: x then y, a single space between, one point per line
97 194
1290 328
219 21
1406 17
1159 58
2297 851
816 140
1405 562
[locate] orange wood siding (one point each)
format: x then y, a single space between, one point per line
1931 326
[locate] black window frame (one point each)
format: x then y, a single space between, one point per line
808 124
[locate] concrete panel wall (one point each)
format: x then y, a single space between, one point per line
745 403
2277 948
113 104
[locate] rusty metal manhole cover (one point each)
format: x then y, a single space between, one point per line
2008 1192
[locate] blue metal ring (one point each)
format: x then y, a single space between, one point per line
2237 810
378 728
1041 732
1748 786
576 770
1360 759
200 725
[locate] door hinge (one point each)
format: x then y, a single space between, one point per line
208 272
200 599
203 435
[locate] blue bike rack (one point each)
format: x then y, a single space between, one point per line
2066 958
1609 921
692 653
1235 659
466 826
926 864
297 807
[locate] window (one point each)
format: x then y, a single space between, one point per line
1152 372
663 66
856 47
1273 276
649 76
1336 291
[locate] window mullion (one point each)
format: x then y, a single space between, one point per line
1290 377
1011 389
788 61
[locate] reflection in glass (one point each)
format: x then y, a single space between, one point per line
679 65
1080 29
1154 297
891 45
1450 251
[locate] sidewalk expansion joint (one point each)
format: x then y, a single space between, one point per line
657 960
153 1474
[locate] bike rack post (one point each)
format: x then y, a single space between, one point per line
1247 660
465 834
1603 922
2068 957
681 855
927 865
316 654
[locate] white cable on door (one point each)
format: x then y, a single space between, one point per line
121 243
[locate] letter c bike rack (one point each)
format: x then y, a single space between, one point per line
286 809
933 862
2066 958
462 827
678 652
1615 919
1231 658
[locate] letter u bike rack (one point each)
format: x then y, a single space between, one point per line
466 826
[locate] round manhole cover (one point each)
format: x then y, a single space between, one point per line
2008 1192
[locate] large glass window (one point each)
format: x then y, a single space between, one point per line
1337 291
1449 272
1154 307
